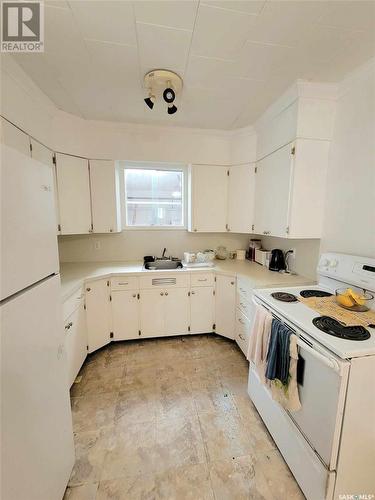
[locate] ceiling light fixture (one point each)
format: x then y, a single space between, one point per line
165 84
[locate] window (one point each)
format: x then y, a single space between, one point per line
154 197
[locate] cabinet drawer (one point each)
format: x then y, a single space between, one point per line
242 331
124 283
155 281
202 279
244 288
72 303
244 305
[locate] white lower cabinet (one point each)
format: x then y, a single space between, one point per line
98 314
75 341
125 315
202 309
164 312
225 305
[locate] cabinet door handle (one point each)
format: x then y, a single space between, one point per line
161 293
195 230
69 325
193 293
241 337
232 282
134 295
166 293
88 289
111 230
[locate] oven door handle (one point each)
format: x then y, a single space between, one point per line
327 360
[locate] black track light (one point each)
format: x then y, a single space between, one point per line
150 101
172 109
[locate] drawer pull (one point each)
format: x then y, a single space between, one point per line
68 326
241 337
241 321
123 283
193 293
202 279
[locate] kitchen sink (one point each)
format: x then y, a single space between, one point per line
160 264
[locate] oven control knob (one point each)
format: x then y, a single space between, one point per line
333 263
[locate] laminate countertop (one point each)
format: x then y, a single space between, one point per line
75 274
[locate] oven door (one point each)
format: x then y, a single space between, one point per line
322 389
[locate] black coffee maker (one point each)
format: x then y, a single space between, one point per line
277 261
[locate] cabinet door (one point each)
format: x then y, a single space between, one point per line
272 192
97 314
75 341
14 137
202 309
45 155
225 305
176 311
208 198
152 313
105 197
241 198
125 315
74 194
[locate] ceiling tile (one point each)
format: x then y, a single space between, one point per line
113 61
248 6
350 15
173 13
112 21
209 72
220 32
163 48
284 22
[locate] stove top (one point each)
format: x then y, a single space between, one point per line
314 293
301 317
333 327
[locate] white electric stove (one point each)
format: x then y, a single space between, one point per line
329 444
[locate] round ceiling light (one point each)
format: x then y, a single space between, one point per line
162 83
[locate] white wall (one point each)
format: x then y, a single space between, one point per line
349 225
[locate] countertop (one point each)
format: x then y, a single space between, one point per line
74 274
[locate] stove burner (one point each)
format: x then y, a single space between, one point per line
333 327
314 293
284 297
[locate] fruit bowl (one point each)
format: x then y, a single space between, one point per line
354 300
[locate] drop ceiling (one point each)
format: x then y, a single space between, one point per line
235 56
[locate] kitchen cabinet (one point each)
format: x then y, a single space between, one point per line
73 184
75 340
164 312
46 156
105 196
208 190
14 137
98 314
242 331
202 309
125 314
241 191
225 304
290 190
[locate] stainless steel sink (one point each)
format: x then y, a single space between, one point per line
163 264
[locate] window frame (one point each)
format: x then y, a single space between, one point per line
181 167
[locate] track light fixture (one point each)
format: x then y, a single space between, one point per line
150 101
164 84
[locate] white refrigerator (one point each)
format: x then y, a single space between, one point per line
37 449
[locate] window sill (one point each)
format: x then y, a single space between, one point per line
154 228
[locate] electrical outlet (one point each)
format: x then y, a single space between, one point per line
97 245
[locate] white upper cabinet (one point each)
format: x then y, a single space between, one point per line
105 197
241 198
45 155
208 190
14 137
290 187
73 184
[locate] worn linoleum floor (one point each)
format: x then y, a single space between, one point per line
171 419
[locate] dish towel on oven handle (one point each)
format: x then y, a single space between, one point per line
259 338
281 370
